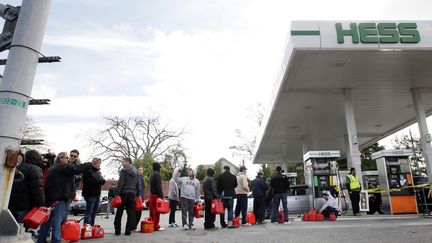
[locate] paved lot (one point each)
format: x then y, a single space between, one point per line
371 228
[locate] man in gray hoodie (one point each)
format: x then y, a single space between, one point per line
128 188
189 195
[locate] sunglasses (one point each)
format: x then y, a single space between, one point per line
73 156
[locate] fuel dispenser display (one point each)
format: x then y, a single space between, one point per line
321 174
394 172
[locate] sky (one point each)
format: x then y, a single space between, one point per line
200 64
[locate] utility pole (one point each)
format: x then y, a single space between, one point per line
15 91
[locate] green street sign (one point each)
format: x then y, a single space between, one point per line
13 102
379 33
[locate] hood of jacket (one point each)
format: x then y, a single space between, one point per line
131 171
33 157
210 172
156 166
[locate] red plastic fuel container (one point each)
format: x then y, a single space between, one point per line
199 211
250 218
147 226
217 207
98 231
71 230
36 217
320 217
312 215
162 206
236 222
86 232
332 217
281 217
306 216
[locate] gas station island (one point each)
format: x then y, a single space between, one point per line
343 86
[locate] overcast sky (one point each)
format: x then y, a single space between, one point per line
198 63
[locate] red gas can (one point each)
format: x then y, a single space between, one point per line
36 217
312 215
147 226
98 231
162 206
71 230
86 232
250 218
281 217
320 217
217 207
332 217
306 216
116 202
236 222
199 210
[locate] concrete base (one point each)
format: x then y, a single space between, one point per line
9 227
26 238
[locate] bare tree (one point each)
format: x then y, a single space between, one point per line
135 137
33 136
245 143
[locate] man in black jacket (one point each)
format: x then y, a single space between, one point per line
58 189
27 193
141 194
155 193
280 185
226 184
112 192
128 189
92 182
210 193
259 188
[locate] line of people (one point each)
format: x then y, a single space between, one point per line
41 182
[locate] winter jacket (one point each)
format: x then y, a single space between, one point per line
92 182
156 181
128 181
112 192
28 193
189 187
77 179
259 187
60 180
279 183
173 192
242 184
209 186
226 184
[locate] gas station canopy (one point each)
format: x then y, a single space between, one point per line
377 67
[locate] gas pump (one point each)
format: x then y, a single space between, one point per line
321 174
394 172
292 177
371 181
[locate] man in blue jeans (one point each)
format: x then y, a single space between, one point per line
280 185
58 189
226 184
92 182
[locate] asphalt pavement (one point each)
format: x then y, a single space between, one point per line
367 228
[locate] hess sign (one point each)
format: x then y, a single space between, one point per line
379 33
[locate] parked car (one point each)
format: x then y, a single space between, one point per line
79 205
298 200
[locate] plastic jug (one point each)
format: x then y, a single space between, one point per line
250 218
147 226
98 231
36 217
162 206
199 210
281 217
70 230
217 207
332 217
236 222
86 232
319 217
306 216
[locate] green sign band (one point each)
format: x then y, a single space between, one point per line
13 102
305 32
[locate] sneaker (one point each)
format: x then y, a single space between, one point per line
176 225
275 222
230 226
289 222
185 227
192 227
171 226
246 224
160 229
